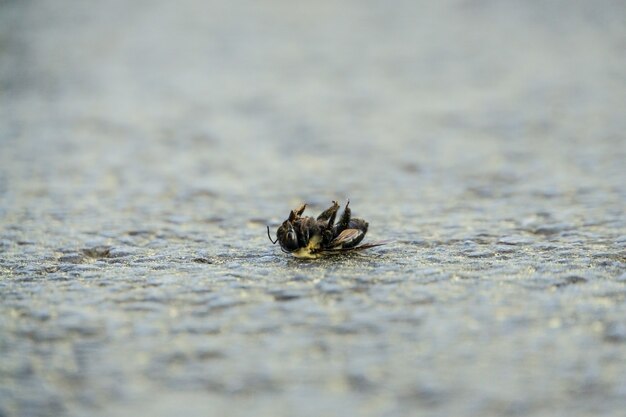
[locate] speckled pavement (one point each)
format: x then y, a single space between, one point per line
144 147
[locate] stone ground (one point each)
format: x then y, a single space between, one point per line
144 146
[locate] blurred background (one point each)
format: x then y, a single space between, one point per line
275 95
145 145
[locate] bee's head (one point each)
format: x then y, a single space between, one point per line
287 237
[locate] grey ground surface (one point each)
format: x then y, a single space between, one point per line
144 146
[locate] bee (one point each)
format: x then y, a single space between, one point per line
308 237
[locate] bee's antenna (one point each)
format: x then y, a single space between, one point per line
270 237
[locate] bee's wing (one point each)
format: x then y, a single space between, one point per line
372 244
339 250
345 237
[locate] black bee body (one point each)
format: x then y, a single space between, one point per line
308 237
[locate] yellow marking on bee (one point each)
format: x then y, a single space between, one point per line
308 252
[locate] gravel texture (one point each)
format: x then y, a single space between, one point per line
144 146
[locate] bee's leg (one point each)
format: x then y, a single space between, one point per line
329 214
327 236
300 210
328 218
301 233
295 214
344 221
306 229
347 222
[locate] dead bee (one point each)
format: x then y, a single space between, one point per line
307 237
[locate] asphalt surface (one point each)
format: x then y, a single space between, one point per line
144 147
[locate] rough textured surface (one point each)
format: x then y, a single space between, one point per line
145 145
